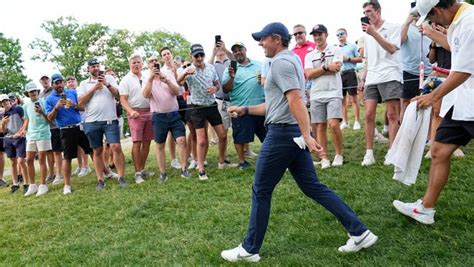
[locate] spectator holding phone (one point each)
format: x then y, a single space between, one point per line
383 77
97 94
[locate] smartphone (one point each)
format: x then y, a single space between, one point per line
157 66
101 73
233 64
364 20
63 96
412 4
37 105
217 38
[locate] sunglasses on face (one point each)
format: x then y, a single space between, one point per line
199 55
186 65
298 33
339 34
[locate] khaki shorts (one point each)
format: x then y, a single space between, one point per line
223 111
383 91
38 145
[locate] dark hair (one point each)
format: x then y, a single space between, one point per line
374 3
445 4
163 49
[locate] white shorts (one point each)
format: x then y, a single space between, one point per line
224 114
38 145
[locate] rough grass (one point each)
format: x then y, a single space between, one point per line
188 222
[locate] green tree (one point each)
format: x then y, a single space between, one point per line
120 45
72 44
12 78
151 43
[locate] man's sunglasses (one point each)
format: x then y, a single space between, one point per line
298 33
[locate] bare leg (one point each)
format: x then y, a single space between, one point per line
336 135
371 109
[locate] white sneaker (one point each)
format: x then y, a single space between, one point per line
338 160
76 172
356 243
315 163
139 178
84 172
458 153
111 174
192 164
356 126
175 164
368 160
32 189
378 137
67 190
344 125
42 189
325 163
147 174
428 154
58 180
226 164
416 210
239 254
250 154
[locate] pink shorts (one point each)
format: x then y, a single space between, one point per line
140 127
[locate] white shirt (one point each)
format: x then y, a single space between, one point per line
325 86
461 40
130 86
101 106
382 66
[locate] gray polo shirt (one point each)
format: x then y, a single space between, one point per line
285 73
220 68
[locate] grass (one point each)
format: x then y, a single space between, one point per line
188 222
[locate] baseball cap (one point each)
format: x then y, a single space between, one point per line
4 97
93 61
319 28
424 7
270 29
57 77
29 87
196 49
12 95
240 44
44 77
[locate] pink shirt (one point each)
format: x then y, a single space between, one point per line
301 51
161 99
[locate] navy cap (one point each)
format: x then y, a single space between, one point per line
319 28
57 77
273 28
93 61
196 49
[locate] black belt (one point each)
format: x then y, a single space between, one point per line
347 71
280 125
167 114
223 99
69 126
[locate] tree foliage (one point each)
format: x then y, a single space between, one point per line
12 78
71 44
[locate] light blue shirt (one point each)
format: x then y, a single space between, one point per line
246 90
349 50
38 126
410 52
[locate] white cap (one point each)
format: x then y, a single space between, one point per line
3 97
424 7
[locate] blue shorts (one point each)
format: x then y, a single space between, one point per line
167 122
15 147
244 128
96 130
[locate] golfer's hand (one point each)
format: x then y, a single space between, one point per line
424 101
313 146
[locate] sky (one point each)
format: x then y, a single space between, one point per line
197 21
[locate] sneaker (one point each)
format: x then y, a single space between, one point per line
14 188
110 175
338 160
344 125
84 171
163 177
416 210
385 133
239 254
50 179
76 172
458 153
250 154
185 174
3 182
316 163
205 163
428 154
244 165
32 189
122 182
203 176
139 178
25 188
67 190
378 137
19 178
226 164
42 189
213 142
325 163
175 164
368 160
100 185
58 180
192 164
147 174
356 126
356 243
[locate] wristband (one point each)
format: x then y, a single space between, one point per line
349 60
246 110
325 68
